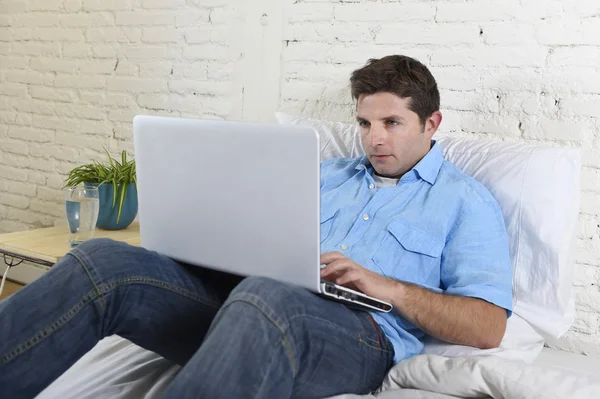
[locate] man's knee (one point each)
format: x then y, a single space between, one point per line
274 298
108 256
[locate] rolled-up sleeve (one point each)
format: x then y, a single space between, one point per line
476 260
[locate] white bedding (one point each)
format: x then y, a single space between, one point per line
118 369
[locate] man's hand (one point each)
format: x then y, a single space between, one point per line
344 271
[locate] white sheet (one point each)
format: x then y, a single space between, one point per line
118 369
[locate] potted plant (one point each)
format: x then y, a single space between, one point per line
117 189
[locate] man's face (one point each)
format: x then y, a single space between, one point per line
392 134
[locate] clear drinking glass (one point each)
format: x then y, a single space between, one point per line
81 206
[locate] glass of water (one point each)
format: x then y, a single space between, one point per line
81 206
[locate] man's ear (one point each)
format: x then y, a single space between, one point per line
433 124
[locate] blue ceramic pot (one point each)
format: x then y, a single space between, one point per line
107 215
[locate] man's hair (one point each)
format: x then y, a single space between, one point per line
402 76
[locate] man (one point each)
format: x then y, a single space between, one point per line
400 224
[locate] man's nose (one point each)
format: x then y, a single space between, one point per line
377 136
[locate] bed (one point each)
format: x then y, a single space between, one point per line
538 190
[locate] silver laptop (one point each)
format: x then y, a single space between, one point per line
242 198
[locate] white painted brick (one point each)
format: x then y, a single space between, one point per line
162 35
193 18
73 5
586 322
48 34
107 5
54 123
198 70
19 188
569 32
149 52
109 99
137 18
554 130
442 34
572 79
182 103
5 48
589 226
29 77
19 62
301 90
13 89
310 12
588 300
5 20
317 71
326 31
590 203
582 105
17 201
37 49
29 216
37 178
52 94
490 124
47 208
30 134
122 115
35 20
507 10
76 141
207 52
82 112
491 56
585 275
197 87
127 68
508 33
87 20
11 173
85 50
56 181
456 78
166 4
80 81
14 6
121 35
154 69
302 51
576 56
393 12
44 5
12 226
34 106
98 67
591 158
590 179
54 65
479 101
197 35
15 147
526 102
355 54
8 117
136 85
226 16
50 194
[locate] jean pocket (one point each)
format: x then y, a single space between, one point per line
371 334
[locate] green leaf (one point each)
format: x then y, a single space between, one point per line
115 188
121 201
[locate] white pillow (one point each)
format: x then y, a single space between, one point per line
538 190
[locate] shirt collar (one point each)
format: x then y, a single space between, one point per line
427 168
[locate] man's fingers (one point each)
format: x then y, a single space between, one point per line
328 257
336 268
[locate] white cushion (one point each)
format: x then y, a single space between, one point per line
538 190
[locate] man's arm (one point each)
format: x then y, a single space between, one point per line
456 319
451 318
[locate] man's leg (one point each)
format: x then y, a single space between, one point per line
99 289
274 340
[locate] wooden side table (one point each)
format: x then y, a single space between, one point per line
46 246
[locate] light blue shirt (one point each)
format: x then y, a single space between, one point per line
437 228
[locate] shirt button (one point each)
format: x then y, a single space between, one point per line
365 217
344 247
371 186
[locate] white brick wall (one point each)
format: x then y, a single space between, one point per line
73 73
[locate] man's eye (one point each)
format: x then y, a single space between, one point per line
363 124
392 123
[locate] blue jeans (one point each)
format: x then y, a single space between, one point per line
234 337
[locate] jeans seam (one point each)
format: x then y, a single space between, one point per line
51 328
285 340
89 298
89 274
358 337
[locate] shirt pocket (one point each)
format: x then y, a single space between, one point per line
408 253
327 218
